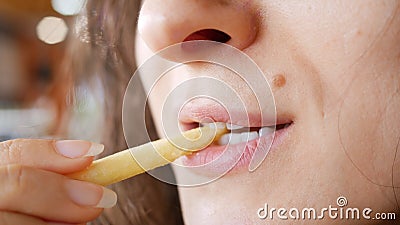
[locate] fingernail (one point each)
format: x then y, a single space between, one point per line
88 194
108 199
76 148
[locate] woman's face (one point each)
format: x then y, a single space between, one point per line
333 68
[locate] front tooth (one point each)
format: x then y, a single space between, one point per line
248 136
230 138
224 139
230 126
265 131
235 138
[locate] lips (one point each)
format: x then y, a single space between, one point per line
192 115
248 134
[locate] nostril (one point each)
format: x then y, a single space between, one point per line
209 34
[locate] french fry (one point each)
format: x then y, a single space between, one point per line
137 160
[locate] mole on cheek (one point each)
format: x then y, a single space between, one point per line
278 81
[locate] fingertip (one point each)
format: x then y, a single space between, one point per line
78 148
108 199
95 149
88 194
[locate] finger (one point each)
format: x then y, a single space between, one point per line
56 156
12 218
51 196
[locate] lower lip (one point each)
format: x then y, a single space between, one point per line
220 159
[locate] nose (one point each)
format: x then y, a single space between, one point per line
167 22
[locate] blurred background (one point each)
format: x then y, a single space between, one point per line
35 96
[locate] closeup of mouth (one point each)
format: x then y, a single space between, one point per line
235 149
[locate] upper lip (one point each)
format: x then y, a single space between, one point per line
206 113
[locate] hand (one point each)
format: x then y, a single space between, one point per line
33 190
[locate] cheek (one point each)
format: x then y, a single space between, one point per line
154 90
368 128
157 96
355 62
166 96
332 36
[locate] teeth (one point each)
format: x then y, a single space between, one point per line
231 138
238 137
224 139
235 138
222 125
230 126
248 136
265 131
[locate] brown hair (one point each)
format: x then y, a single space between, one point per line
109 54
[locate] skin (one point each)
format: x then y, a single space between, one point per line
340 66
339 61
31 171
